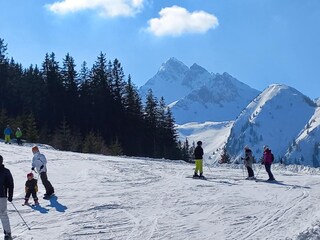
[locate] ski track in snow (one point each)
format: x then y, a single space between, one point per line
104 197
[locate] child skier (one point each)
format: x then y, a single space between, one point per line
198 156
248 161
31 188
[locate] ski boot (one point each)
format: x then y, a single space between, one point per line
201 176
7 236
195 175
36 202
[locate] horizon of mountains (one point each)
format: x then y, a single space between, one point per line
280 116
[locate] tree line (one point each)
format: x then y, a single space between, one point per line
94 110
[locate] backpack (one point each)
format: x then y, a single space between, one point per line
272 157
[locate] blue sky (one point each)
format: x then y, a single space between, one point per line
259 42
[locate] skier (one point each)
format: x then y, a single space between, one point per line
31 188
248 161
7 134
6 193
267 161
18 136
39 163
198 156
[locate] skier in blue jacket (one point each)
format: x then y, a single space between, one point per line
7 134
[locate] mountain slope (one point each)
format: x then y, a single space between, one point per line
195 95
305 149
104 197
274 118
221 99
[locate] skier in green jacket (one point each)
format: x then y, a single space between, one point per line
18 136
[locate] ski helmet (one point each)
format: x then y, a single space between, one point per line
30 175
35 149
199 143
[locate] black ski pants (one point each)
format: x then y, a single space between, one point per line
250 172
268 169
33 193
47 185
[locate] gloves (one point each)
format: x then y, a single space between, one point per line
10 198
41 167
32 168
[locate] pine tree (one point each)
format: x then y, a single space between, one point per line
31 129
133 120
225 157
70 83
150 117
62 136
55 106
94 143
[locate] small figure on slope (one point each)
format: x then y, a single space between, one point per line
39 162
198 156
248 161
31 188
18 136
267 161
7 134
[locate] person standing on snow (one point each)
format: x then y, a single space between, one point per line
31 188
248 161
267 161
39 162
7 134
18 136
6 193
198 156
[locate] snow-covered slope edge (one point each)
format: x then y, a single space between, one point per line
214 135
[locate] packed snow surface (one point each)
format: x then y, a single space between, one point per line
104 197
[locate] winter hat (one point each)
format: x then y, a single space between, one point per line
199 143
246 147
35 149
265 147
30 175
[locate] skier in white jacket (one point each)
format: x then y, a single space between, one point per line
39 162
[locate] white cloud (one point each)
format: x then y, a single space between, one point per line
176 21
105 8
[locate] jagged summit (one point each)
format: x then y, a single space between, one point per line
198 95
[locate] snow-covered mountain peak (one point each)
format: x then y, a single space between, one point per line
274 118
194 94
173 65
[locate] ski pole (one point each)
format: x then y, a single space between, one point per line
20 216
243 168
207 166
258 171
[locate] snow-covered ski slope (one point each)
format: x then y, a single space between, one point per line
103 197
